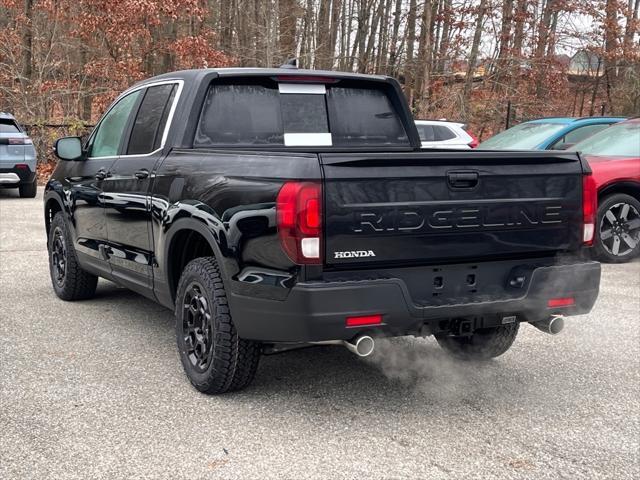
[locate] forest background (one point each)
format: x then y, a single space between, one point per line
487 63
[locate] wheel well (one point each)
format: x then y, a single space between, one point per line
628 188
51 208
185 246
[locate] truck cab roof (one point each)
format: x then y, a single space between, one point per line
197 74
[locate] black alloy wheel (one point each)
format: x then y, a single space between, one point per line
215 359
69 280
197 327
58 257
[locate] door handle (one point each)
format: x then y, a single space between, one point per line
463 180
102 174
142 174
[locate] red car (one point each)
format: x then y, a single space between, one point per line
614 157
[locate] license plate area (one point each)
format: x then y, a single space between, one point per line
463 283
454 282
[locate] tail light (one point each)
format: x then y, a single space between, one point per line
589 209
20 141
299 218
305 79
365 320
474 140
561 302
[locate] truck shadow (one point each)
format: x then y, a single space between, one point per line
413 370
403 371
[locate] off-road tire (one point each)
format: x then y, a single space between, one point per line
599 251
232 361
76 283
28 190
484 344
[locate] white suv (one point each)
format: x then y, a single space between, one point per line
441 134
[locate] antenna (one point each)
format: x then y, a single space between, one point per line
292 63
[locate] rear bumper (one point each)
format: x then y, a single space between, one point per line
15 176
317 311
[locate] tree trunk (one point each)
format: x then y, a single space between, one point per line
322 36
504 53
372 38
393 54
611 32
409 66
424 57
632 25
336 7
541 47
447 17
27 41
518 36
287 18
473 58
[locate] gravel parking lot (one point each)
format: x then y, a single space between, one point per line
95 389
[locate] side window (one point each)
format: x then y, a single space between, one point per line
106 141
577 135
443 133
426 133
148 127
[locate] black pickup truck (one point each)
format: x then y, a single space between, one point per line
274 209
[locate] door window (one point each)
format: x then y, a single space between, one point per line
577 135
148 128
106 141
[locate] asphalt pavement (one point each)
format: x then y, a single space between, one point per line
95 390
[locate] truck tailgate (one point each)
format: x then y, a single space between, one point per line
450 206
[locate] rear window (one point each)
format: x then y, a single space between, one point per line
254 114
8 126
363 117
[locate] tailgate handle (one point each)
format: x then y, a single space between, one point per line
463 180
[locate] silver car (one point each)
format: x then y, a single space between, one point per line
17 157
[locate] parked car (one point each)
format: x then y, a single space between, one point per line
614 157
273 209
17 158
441 134
557 133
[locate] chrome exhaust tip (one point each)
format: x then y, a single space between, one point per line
552 325
362 346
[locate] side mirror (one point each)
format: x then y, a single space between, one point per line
68 148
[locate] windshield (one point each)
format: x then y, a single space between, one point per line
620 140
522 137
